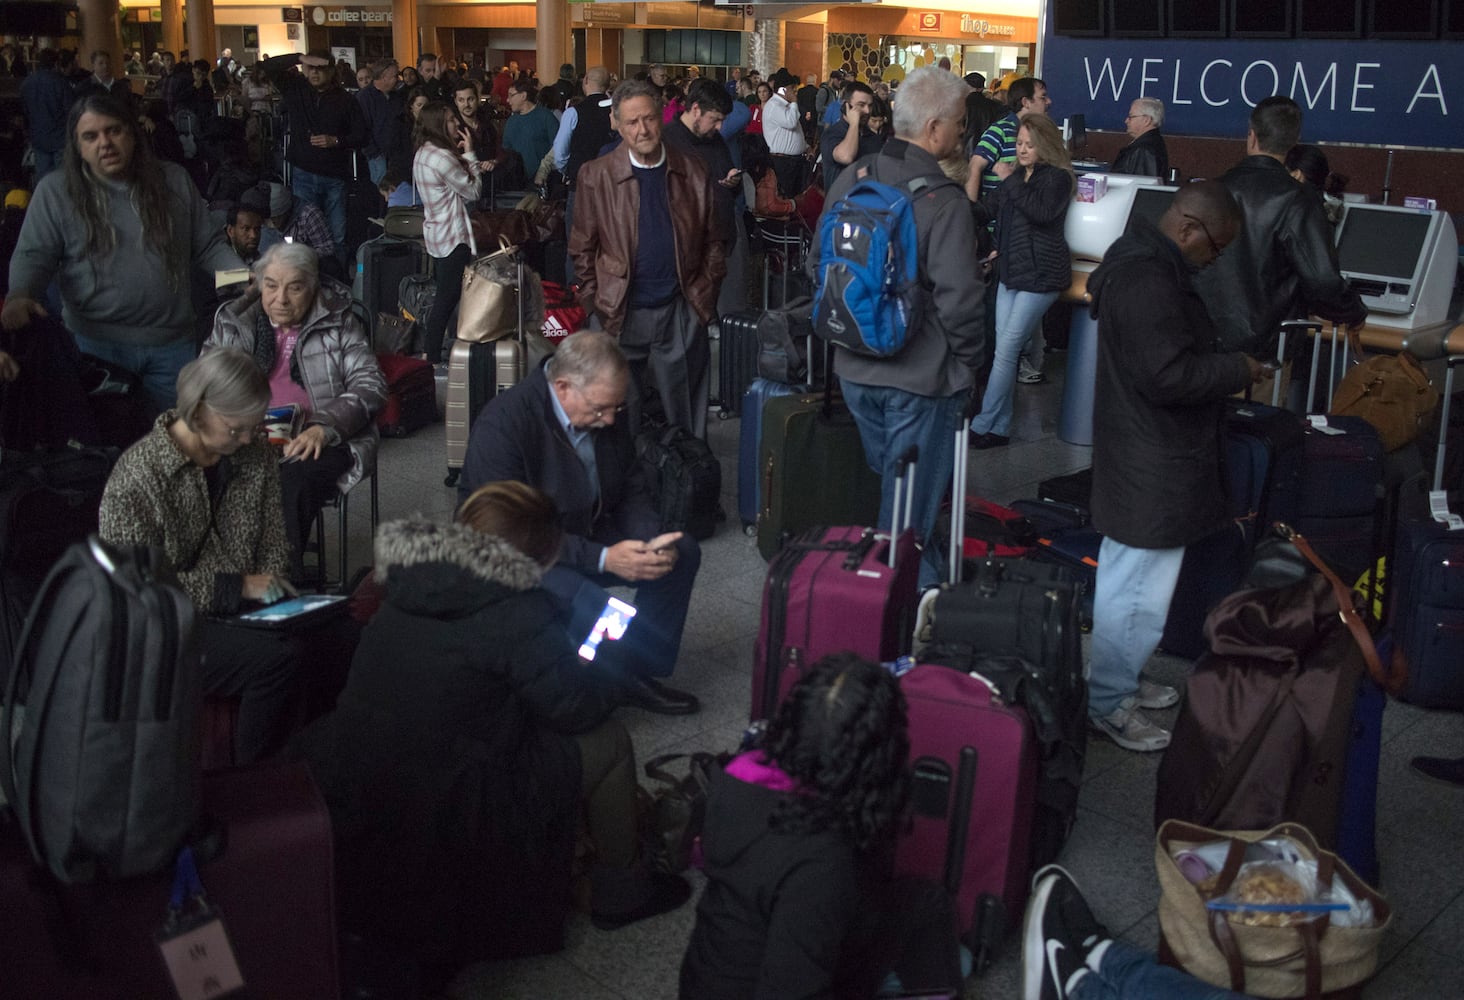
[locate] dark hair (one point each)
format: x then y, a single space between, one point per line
1276 121
856 87
244 206
150 193
426 57
883 110
520 515
432 127
709 95
757 159
528 88
1312 164
981 113
1022 90
842 735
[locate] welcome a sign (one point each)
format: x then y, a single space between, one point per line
1384 93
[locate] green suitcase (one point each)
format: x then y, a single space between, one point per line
813 470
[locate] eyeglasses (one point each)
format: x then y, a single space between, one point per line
1129 118
1215 248
598 412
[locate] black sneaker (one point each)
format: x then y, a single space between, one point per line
1059 932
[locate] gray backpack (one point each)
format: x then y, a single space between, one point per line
99 736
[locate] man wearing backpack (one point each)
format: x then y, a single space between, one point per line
917 391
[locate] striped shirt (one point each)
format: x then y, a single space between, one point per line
998 144
447 185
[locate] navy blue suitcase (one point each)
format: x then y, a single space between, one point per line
1357 819
1425 585
1342 493
750 437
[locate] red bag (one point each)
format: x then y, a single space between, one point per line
563 314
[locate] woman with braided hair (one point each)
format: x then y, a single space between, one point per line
798 844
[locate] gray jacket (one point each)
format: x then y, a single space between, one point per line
938 358
335 365
125 297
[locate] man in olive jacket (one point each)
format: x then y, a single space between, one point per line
649 249
1157 483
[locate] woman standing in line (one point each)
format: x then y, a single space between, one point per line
1033 262
446 175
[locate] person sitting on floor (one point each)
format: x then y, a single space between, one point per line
204 488
301 332
796 839
467 740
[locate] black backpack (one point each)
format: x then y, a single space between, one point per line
687 479
101 765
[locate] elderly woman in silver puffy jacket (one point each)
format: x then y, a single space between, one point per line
300 330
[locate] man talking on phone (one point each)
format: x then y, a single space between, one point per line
560 431
783 131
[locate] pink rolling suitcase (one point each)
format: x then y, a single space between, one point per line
975 765
834 589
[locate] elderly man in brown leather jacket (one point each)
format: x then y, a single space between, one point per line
649 248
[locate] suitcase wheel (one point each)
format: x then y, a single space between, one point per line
451 479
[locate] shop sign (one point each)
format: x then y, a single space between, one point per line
984 28
607 13
292 15
928 21
337 16
1366 92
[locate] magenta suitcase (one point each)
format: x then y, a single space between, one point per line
974 764
273 882
828 590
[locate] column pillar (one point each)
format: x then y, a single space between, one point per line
203 41
100 32
552 38
172 40
405 43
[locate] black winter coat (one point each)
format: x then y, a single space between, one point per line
1282 265
1158 480
1030 216
449 765
1146 156
312 112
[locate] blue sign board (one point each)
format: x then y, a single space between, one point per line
1366 91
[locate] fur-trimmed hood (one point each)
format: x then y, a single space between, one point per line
417 541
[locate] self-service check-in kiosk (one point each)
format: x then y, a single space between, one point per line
1091 228
1402 261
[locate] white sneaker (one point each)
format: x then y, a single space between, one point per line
1130 728
1028 373
1153 695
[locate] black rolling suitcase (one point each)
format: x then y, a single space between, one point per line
382 265
736 359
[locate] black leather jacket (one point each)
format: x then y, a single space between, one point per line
1146 156
1282 266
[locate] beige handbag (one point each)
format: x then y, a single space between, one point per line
489 309
1306 960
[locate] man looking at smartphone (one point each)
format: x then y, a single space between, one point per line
698 132
560 431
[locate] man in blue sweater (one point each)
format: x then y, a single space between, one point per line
649 248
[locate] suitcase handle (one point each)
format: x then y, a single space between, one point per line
958 505
902 513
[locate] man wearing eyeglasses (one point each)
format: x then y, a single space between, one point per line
561 431
325 128
1146 156
1156 444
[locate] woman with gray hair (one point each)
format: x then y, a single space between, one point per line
204 488
299 329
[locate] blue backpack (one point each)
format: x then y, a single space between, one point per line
868 295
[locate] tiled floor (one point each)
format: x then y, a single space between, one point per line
1111 850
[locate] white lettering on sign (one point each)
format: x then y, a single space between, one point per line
979 26
1437 94
1313 87
1357 84
1275 84
1329 83
352 16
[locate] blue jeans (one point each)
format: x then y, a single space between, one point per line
327 194
890 421
1127 971
157 366
653 641
377 166
46 162
1130 602
1017 313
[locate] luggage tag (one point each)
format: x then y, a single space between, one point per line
1438 507
195 946
1318 421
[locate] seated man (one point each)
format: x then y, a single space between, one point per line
288 216
557 431
243 229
